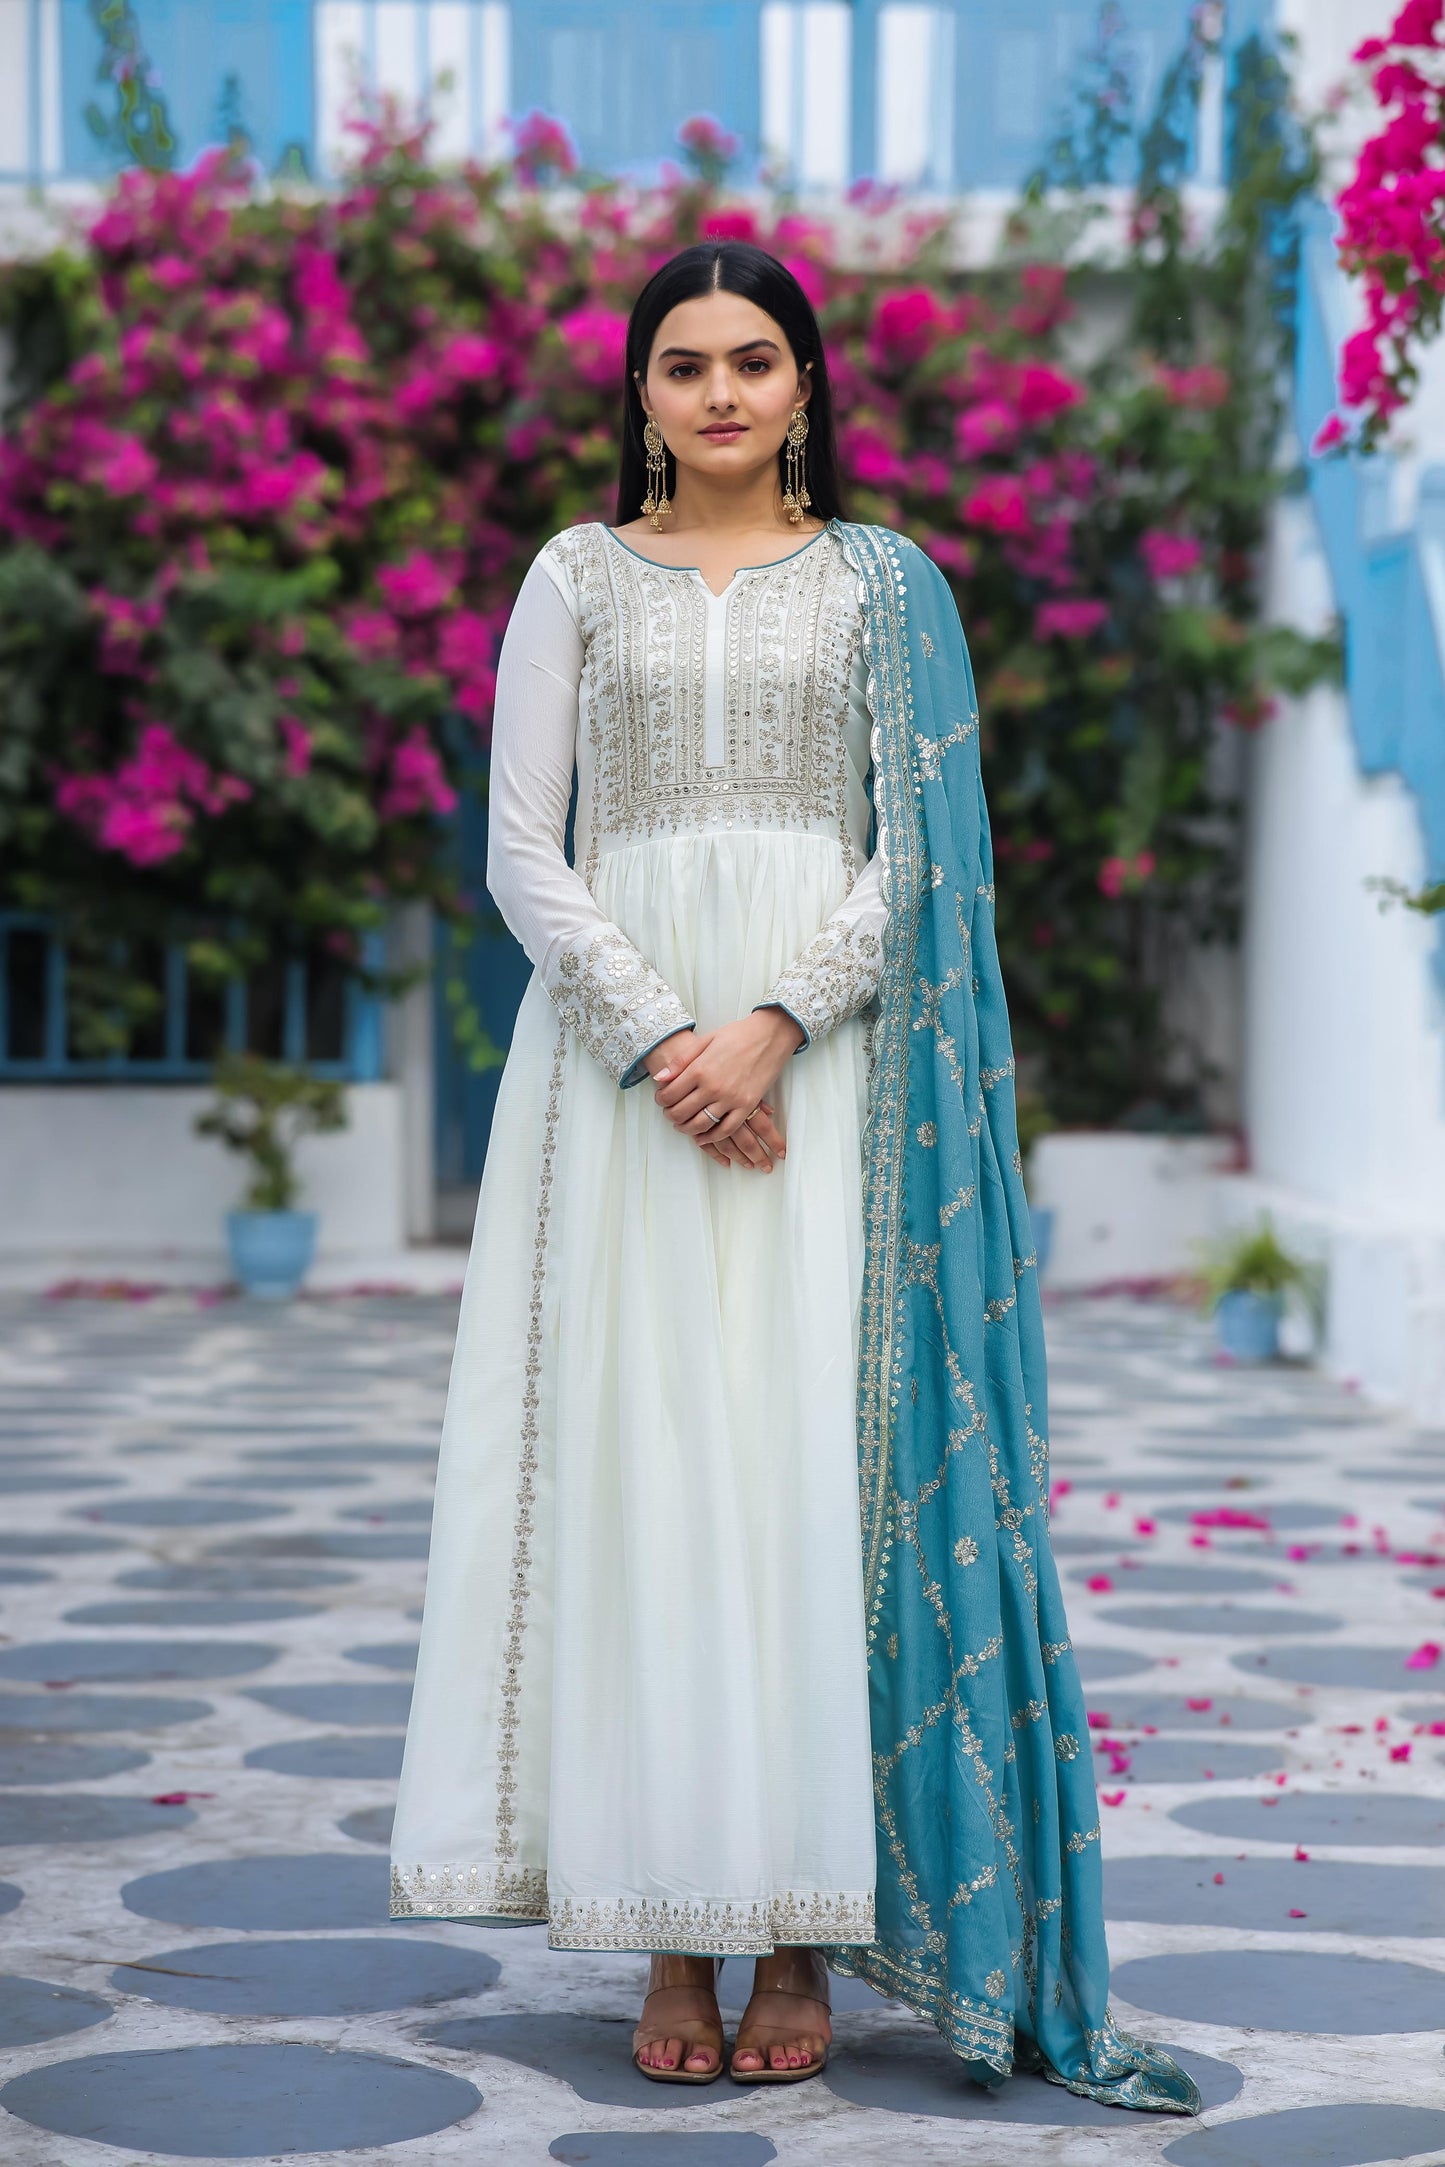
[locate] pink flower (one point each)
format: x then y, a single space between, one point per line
1331 432
730 225
297 740
1115 876
1044 393
998 505
417 587
1072 619
905 324
542 149
869 458
988 427
708 138
417 782
1425 1657
1203 387
951 554
471 358
596 342
1167 555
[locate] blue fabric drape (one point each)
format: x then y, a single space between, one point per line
990 1890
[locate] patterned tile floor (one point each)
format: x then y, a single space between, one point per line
212 1551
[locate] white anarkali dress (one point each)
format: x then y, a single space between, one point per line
641 1700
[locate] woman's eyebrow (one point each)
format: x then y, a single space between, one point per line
693 353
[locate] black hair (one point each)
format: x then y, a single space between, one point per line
730 267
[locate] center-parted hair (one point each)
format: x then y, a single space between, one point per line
729 267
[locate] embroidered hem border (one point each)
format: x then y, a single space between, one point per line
714 1927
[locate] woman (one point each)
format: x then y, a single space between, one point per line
665 1700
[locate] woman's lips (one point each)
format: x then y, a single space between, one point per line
728 433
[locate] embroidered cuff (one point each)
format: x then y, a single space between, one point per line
836 975
616 1003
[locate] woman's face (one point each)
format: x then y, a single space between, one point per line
722 383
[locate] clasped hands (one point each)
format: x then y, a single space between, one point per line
727 1072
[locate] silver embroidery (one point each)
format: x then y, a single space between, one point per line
715 1928
615 1001
791 632
836 975
710 1927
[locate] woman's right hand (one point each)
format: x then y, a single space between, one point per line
756 1144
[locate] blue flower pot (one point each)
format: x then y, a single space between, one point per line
1041 1219
1247 1326
271 1251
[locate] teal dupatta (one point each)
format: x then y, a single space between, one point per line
990 1918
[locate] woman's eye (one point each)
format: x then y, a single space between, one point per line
757 362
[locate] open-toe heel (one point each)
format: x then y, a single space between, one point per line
661 2028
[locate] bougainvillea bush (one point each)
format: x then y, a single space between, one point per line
1392 223
278 464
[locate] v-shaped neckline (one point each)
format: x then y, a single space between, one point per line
714 594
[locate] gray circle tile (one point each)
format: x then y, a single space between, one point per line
396 1510
910 2073
367 1756
65 1711
319 1478
33 2009
15 1576
372 1824
1098 1664
1223 1621
1279 1990
346 1976
58 1542
1339 2135
382 1544
1068 1543
240 2102
1142 1482
80 1661
1184 1578
660 2148
84 1817
197 1610
24 1759
328 1889
19 1482
10 1897
349 1455
232 1579
592 2054
386 1655
1321 1896
1173 1712
382 1705
1380 1668
179 1511
1347 1818
1213 1759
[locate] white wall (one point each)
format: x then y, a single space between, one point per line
95 1177
1344 1029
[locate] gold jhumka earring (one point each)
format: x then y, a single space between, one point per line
655 505
795 487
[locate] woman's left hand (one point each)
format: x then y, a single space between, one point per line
733 1071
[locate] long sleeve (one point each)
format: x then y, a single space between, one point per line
602 986
837 973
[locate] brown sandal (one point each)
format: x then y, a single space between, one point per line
682 2074
765 2075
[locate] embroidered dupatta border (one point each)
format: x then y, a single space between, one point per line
882 590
